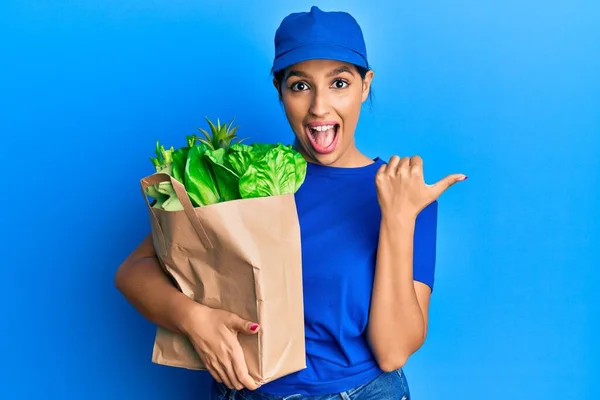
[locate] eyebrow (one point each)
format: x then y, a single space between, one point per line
339 70
334 72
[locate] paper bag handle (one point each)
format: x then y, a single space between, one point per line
184 199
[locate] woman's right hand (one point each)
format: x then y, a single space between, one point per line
214 335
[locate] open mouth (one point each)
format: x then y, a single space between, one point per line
323 137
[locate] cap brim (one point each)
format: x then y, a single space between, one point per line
318 52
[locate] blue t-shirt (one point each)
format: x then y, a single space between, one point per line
339 220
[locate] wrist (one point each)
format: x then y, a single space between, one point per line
187 314
401 219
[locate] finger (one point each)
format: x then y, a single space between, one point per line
209 368
230 374
223 374
214 374
393 165
444 183
217 370
239 324
241 369
403 166
416 165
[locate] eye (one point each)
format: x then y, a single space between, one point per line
340 84
299 86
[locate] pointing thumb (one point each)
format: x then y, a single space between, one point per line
444 183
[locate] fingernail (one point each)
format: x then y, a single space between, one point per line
465 178
253 327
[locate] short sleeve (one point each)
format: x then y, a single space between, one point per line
424 247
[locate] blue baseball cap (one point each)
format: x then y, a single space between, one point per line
333 35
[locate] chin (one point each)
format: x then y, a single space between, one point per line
330 159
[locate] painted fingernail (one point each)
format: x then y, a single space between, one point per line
253 327
465 178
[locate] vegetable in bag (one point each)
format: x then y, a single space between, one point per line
214 168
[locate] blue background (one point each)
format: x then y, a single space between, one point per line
507 92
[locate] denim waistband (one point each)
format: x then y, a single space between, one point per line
389 386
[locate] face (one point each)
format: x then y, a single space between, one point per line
322 101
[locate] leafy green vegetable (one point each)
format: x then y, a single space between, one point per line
241 156
300 169
171 202
163 192
179 159
220 136
163 157
199 181
227 179
263 148
278 172
214 169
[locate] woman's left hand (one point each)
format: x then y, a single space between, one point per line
401 187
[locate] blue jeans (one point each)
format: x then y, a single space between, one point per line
387 386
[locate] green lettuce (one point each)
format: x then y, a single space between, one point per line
180 157
231 171
200 182
280 171
227 179
163 192
242 156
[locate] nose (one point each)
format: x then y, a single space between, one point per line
319 106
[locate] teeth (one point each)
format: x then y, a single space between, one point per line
323 128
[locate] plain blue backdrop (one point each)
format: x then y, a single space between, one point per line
507 92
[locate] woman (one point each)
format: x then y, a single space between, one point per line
368 238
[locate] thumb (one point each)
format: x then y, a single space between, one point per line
440 186
241 325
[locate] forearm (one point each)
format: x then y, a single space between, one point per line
396 322
146 286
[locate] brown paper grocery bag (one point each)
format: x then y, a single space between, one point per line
242 256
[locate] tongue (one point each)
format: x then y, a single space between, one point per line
324 138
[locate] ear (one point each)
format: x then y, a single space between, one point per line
367 84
